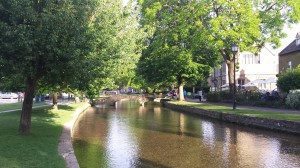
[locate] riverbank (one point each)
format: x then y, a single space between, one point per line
39 148
65 147
256 118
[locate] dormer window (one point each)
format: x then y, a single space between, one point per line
297 41
298 38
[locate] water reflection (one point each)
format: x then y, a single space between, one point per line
129 135
208 133
121 144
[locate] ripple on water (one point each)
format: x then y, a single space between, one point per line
152 136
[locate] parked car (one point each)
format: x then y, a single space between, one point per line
8 95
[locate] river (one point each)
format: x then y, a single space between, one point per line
127 135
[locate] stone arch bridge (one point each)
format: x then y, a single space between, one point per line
113 98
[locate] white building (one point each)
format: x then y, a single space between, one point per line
251 67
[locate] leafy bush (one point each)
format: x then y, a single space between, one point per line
293 99
289 80
252 98
214 97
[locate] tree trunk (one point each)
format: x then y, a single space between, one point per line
55 106
230 65
77 99
154 90
25 121
180 94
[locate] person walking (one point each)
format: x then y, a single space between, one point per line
200 95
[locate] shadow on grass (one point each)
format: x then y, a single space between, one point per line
39 147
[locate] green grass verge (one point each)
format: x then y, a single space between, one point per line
40 147
246 112
18 105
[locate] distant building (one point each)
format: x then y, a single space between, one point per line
289 57
251 67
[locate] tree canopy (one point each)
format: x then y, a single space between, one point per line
249 24
41 40
203 27
66 45
174 53
87 45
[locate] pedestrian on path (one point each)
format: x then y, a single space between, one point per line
200 95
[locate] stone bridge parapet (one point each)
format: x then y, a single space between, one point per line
113 98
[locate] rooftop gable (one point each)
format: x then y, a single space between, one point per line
298 35
294 46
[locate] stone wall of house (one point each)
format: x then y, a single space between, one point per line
281 125
284 59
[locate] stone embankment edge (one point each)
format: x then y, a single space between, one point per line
279 125
65 147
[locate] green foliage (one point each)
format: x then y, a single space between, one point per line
249 24
206 30
116 47
293 99
173 55
289 80
252 98
91 95
43 41
214 97
71 46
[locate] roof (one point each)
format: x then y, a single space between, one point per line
292 47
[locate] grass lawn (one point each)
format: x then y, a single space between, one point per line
40 147
18 105
254 113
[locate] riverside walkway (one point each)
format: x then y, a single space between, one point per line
275 110
48 103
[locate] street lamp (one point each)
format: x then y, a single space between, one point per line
234 49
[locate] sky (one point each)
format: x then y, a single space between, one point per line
125 2
291 32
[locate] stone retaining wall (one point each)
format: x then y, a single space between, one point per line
281 125
65 147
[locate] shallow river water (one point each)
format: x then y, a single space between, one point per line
127 135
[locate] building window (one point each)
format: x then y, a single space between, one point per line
297 41
250 59
241 81
290 65
257 59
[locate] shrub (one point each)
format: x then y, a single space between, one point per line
214 97
289 80
254 96
293 99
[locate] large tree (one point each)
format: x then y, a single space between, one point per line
41 40
116 48
129 38
248 23
176 38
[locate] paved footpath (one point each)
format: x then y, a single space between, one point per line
7 111
275 110
49 103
